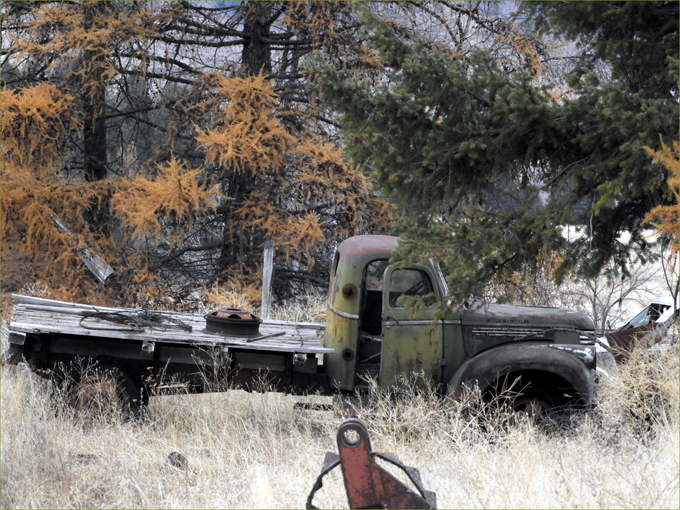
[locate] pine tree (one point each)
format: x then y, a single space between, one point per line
623 92
488 162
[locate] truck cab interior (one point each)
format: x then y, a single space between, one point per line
370 323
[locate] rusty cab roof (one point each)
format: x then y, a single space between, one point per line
367 248
354 254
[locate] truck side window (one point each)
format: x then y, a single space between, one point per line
408 282
374 275
371 307
656 310
648 316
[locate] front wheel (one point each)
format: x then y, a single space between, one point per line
540 402
532 405
537 403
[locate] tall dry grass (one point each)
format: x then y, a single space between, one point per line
259 451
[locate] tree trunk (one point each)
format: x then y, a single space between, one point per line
236 186
94 131
256 54
256 57
94 101
93 89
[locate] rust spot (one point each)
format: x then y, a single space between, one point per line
349 291
337 333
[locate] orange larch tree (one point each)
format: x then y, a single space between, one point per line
664 218
172 139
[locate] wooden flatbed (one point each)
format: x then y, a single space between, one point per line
46 316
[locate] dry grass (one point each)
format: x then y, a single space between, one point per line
258 451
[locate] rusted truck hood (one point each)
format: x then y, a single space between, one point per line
487 325
482 313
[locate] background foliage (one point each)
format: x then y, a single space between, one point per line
489 160
175 138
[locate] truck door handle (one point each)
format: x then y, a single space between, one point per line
390 318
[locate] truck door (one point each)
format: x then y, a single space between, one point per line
412 345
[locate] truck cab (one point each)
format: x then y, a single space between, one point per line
376 335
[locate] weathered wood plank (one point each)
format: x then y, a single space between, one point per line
63 304
267 270
183 316
36 315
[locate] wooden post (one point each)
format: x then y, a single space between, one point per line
267 270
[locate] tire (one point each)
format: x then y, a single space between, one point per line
100 390
105 390
534 401
537 401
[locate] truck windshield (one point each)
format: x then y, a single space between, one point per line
408 282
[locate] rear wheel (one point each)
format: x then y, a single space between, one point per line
100 391
105 391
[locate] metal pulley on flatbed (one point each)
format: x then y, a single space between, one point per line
233 322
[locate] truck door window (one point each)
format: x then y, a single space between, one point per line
408 282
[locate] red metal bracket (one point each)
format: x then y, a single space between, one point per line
368 485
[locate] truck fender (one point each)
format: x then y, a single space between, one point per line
489 366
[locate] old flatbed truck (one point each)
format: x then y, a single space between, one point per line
368 335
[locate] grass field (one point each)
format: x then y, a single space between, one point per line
257 451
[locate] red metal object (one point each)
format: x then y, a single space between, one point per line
233 322
624 341
233 313
367 484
